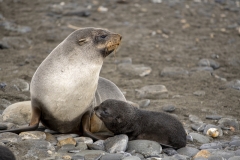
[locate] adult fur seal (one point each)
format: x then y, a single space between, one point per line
122 118
67 84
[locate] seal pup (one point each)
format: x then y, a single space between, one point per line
122 118
67 84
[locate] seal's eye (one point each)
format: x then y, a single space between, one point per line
105 111
101 37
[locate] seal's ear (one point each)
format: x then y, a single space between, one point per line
82 41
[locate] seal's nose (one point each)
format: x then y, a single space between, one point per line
120 37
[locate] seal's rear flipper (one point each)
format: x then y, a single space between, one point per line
36 114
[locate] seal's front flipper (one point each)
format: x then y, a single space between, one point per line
86 127
36 114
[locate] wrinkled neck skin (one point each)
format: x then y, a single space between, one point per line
66 81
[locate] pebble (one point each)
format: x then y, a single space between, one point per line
169 108
213 117
21 85
214 145
174 72
102 9
222 153
111 157
195 119
15 42
125 60
86 140
234 158
202 154
235 143
152 92
200 138
14 27
170 151
212 157
18 113
134 69
33 135
188 151
229 123
235 84
209 126
198 127
131 158
116 144
144 103
98 145
81 146
4 103
196 69
209 63
145 147
50 138
3 126
199 93
69 140
9 137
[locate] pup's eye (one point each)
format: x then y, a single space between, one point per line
103 36
105 111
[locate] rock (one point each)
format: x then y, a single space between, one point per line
81 146
91 152
199 93
196 69
209 63
80 13
214 131
134 69
30 149
180 157
215 145
3 126
144 103
213 117
84 140
170 151
66 141
16 42
78 157
200 138
188 151
65 136
98 145
235 84
14 27
102 9
9 137
33 135
18 113
234 158
145 147
66 148
4 103
198 127
111 157
222 153
195 119
152 92
50 138
168 108
212 157
131 158
235 143
125 60
174 72
229 123
21 85
116 144
202 154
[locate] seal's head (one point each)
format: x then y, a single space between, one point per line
114 112
97 39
